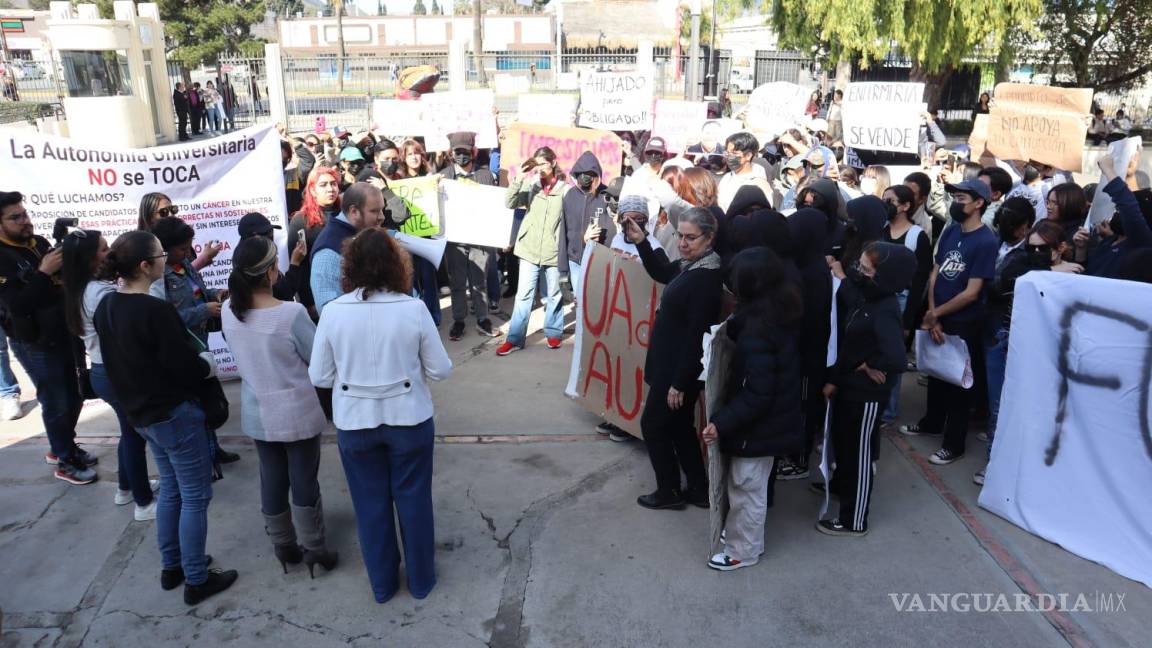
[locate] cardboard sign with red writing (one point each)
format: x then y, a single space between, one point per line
522 140
619 303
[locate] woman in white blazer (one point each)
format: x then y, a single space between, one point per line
376 348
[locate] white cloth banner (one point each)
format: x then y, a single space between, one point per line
465 110
213 183
616 101
775 107
883 116
547 109
475 214
1072 459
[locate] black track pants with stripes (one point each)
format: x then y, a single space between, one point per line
854 434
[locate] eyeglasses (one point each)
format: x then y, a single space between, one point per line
170 210
158 256
691 238
17 217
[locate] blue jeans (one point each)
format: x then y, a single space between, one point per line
892 410
9 386
997 357
575 275
425 276
391 467
53 372
526 295
184 459
130 451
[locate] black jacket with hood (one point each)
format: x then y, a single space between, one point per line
809 229
836 213
869 329
578 209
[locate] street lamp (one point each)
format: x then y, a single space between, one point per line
694 52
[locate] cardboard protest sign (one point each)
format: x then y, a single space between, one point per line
616 101
466 110
1125 154
679 122
883 116
522 140
547 109
775 107
398 119
420 195
475 214
212 182
1041 123
619 303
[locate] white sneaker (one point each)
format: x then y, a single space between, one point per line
724 562
10 409
145 513
125 496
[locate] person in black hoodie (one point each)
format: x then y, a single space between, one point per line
809 228
869 356
584 218
748 199
689 305
825 196
32 313
761 418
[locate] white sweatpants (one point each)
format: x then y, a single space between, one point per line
748 505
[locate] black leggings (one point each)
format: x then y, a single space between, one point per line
285 467
670 436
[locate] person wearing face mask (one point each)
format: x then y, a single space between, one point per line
584 218
1041 249
740 149
965 262
875 180
1000 182
1122 235
869 357
794 177
654 154
351 163
468 264
387 158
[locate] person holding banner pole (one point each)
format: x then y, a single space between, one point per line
541 191
689 305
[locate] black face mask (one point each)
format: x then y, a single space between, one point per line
956 211
389 167
462 158
865 284
613 207
734 162
838 152
654 158
1039 256
890 210
585 180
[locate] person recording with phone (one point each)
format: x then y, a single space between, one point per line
584 218
32 314
288 284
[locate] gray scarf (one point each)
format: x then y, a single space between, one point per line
710 261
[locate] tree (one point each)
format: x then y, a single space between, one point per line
381 8
1105 45
198 32
419 9
478 42
436 8
338 6
936 35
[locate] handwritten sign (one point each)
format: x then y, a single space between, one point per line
449 112
678 122
882 116
616 101
475 214
775 107
549 109
420 196
619 303
398 119
1040 123
522 140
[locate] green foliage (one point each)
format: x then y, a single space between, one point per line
1103 45
935 34
419 9
201 31
686 26
436 8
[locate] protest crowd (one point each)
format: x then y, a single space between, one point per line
822 263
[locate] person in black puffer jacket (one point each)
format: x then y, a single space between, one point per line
761 418
869 355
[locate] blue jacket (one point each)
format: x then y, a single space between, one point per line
325 271
180 291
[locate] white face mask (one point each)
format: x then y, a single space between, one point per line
868 186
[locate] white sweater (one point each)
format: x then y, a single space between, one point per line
375 355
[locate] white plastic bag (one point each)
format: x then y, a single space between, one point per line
949 361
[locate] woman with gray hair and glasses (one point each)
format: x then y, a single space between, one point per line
689 305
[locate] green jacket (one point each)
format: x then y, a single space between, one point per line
539 236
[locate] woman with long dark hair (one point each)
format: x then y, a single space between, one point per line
760 418
86 284
321 204
157 373
272 343
382 407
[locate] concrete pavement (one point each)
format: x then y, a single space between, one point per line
540 543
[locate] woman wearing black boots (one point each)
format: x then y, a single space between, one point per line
272 343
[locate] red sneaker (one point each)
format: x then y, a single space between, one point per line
506 348
554 343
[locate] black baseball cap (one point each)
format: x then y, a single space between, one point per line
255 224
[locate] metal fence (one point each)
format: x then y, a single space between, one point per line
772 65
